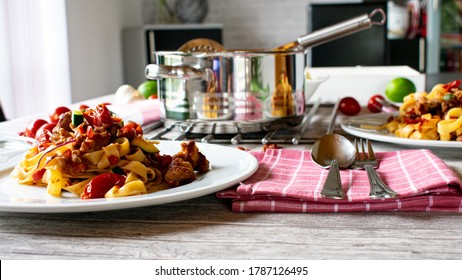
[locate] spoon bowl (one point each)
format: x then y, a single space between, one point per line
333 147
333 151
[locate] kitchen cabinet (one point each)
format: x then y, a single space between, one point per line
451 36
371 47
444 36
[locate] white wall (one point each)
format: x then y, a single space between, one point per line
95 44
95 34
95 30
253 24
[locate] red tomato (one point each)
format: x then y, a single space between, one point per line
33 126
349 106
44 131
90 133
130 130
83 107
101 184
58 111
100 116
37 176
154 96
375 103
453 84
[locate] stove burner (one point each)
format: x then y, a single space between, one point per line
278 131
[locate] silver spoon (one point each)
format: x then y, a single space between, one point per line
333 151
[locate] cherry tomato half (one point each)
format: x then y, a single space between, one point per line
83 106
43 133
58 111
33 126
100 116
349 106
453 84
101 184
374 104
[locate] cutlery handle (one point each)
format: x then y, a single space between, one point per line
378 188
332 187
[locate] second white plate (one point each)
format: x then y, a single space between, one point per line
354 125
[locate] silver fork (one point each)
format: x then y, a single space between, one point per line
12 147
368 161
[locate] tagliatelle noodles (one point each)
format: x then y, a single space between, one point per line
140 178
452 123
92 153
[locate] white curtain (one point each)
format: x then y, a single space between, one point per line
34 57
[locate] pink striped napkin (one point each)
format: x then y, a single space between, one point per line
289 181
142 112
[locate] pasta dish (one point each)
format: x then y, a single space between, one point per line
433 116
93 154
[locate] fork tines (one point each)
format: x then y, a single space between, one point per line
361 156
368 161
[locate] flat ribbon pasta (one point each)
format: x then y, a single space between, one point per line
133 186
452 123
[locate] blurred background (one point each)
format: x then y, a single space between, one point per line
56 52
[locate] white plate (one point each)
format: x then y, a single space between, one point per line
353 127
229 166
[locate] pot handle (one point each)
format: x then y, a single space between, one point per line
341 29
155 72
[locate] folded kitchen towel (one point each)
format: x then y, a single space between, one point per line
142 112
289 181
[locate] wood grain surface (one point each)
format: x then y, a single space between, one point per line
205 228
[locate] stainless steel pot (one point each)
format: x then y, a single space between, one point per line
238 85
242 86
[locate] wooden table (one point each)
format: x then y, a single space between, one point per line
205 228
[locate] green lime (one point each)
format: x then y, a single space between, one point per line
398 88
148 89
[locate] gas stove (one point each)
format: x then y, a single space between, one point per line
312 126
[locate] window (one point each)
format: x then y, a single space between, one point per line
34 68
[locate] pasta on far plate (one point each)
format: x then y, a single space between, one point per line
92 153
431 116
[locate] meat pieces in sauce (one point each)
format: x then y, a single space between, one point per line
451 100
190 153
184 163
179 172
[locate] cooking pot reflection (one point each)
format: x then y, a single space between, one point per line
241 86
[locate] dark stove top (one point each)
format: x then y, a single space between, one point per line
312 127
